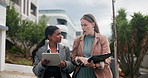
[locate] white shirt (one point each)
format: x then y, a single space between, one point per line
48 48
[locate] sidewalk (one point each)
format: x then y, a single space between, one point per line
144 73
17 71
13 74
144 70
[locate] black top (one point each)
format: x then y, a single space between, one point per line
52 72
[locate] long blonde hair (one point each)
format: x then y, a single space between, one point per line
90 18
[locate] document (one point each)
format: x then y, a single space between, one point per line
53 57
99 58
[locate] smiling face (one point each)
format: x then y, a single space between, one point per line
56 36
87 27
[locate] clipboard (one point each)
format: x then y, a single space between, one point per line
53 57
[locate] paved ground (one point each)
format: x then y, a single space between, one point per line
12 74
144 73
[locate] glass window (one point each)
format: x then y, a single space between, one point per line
64 34
62 21
33 9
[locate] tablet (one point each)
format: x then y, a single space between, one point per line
53 57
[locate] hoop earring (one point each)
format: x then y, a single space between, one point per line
46 41
93 28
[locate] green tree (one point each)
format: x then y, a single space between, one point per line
13 23
43 20
132 42
24 34
30 34
139 42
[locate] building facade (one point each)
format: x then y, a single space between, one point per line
28 9
3 29
61 20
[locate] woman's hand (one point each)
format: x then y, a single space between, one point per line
85 62
82 59
89 64
44 62
62 64
97 65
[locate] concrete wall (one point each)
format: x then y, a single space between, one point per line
3 29
2 13
24 8
2 49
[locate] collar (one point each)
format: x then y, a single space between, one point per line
48 48
97 36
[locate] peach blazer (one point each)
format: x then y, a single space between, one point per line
100 46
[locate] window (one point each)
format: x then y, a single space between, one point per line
64 34
62 21
33 9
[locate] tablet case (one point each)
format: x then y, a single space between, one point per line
99 58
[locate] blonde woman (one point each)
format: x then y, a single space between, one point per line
89 44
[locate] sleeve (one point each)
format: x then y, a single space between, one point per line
105 49
69 65
74 51
38 68
102 65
